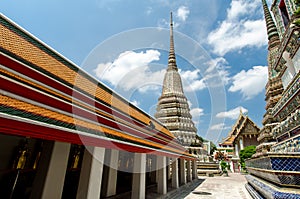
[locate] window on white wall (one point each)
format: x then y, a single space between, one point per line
286 78
290 71
296 61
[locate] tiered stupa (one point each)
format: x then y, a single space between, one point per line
275 167
173 109
274 86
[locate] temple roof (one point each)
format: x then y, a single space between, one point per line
238 128
44 95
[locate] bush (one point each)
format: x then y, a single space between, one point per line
247 152
224 167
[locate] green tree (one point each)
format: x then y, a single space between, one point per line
224 167
247 152
212 148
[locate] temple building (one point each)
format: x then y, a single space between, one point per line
172 108
64 134
243 133
274 168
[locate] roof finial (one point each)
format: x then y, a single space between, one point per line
172 59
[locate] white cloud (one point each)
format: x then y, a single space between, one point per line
189 75
216 75
189 103
196 114
216 71
164 23
135 102
196 86
215 64
192 81
149 10
220 126
237 30
182 13
240 8
251 82
232 114
122 72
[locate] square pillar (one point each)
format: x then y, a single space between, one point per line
110 173
91 173
162 175
168 169
182 171
231 166
237 150
175 178
153 169
194 169
51 172
241 143
139 176
189 171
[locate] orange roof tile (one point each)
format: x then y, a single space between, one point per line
30 108
24 49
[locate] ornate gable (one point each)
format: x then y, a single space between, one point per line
244 126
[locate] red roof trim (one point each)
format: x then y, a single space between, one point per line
19 128
71 92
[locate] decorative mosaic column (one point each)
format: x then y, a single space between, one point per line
91 173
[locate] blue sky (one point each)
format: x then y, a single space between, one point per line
221 49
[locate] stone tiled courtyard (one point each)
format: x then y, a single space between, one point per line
220 187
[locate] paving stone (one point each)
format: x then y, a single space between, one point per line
220 187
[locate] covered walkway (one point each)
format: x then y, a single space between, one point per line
66 135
